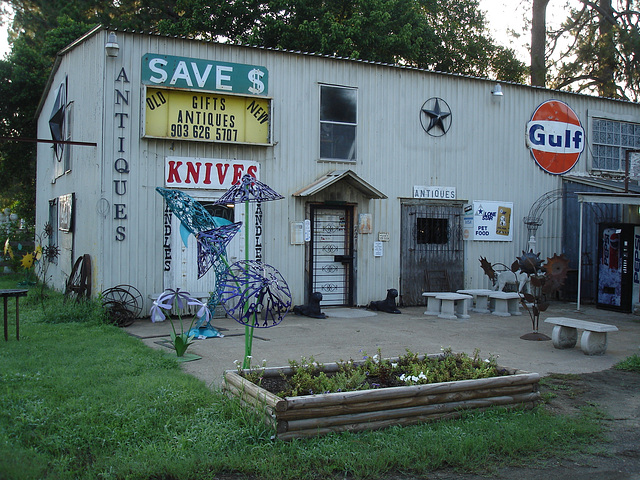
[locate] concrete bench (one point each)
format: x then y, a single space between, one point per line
453 305
433 304
505 304
593 340
480 299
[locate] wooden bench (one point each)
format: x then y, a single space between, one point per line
480 299
453 305
505 304
593 340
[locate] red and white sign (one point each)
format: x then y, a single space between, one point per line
206 173
555 137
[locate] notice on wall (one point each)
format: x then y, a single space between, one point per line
492 221
378 249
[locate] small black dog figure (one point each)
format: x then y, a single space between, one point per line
312 309
387 305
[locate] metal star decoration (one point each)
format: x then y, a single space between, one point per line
438 113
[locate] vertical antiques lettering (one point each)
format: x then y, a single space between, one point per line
121 165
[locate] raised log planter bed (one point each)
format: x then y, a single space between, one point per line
312 415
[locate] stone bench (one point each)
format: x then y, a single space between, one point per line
433 304
480 299
593 340
505 304
453 305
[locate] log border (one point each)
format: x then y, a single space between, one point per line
310 415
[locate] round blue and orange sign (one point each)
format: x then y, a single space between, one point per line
555 137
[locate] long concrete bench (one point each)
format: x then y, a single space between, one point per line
593 340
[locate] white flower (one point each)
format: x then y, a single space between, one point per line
394 365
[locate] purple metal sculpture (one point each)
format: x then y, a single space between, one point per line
212 247
249 189
213 234
255 294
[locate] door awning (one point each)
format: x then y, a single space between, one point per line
348 176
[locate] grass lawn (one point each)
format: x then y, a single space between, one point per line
80 399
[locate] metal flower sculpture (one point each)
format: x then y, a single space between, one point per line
255 294
213 234
544 281
249 189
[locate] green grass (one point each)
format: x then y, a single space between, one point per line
629 364
84 400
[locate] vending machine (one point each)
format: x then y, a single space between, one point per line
618 266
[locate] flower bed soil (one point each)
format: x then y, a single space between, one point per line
319 414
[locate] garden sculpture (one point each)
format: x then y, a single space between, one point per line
387 305
247 190
544 281
311 309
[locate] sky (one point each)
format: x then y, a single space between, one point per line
502 15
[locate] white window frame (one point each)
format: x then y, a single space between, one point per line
352 158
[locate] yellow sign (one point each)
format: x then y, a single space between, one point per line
184 115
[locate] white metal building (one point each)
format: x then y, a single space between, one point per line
393 177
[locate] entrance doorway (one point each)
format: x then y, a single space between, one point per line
331 261
431 253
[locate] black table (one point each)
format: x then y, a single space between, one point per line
5 294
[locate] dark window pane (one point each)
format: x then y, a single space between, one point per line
432 231
337 141
338 105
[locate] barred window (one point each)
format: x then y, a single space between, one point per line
610 140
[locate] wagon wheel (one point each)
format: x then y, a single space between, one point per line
118 314
127 296
79 282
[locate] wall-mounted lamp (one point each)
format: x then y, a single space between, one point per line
112 48
497 91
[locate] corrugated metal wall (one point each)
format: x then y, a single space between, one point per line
483 156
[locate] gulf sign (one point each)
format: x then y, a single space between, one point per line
555 137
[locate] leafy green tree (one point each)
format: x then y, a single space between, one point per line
602 54
446 36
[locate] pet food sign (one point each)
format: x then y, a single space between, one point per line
492 221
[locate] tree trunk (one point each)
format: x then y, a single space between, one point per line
538 43
607 51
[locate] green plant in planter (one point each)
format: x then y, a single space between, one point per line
308 377
180 299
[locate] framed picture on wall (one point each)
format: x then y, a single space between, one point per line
65 212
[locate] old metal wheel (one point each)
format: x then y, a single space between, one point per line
79 282
118 314
128 297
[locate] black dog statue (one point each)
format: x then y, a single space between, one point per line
387 305
312 309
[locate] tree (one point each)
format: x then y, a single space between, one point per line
603 55
445 36
539 43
